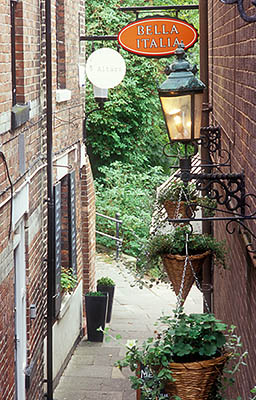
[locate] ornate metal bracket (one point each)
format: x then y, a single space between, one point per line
211 138
242 12
227 190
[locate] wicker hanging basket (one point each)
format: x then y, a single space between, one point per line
171 208
194 381
174 266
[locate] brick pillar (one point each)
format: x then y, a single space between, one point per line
88 226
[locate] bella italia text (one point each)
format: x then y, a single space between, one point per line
166 39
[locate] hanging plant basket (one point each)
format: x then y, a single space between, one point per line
172 207
174 266
194 380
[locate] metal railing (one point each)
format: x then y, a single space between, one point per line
118 240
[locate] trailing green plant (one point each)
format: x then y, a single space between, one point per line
253 391
105 281
95 294
177 190
182 339
208 205
175 243
68 280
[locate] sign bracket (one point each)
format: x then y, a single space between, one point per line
159 8
138 10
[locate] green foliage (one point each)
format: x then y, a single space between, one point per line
131 126
131 193
105 281
237 358
177 190
253 391
182 338
95 294
68 280
175 243
195 336
208 205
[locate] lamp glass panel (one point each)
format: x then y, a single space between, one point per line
177 112
198 114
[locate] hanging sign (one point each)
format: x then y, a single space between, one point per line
157 37
105 68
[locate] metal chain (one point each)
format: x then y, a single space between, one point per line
187 199
187 260
179 298
176 214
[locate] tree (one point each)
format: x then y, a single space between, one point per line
131 127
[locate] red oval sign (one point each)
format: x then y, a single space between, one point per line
157 37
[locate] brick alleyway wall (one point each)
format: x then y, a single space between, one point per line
21 158
232 74
88 224
24 160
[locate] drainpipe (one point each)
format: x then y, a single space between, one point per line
50 203
204 70
14 83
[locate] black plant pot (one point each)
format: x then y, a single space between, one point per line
96 312
110 290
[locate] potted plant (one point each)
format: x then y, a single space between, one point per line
96 311
68 281
175 198
107 285
171 250
182 199
185 359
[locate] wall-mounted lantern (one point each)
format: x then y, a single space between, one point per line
181 97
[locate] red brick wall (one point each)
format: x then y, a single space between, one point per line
5 57
88 226
232 74
7 375
60 44
67 140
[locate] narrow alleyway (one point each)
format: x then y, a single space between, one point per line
91 374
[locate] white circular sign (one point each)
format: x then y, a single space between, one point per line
105 68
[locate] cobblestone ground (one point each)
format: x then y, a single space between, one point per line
91 374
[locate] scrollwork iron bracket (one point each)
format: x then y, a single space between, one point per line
211 138
242 12
228 190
